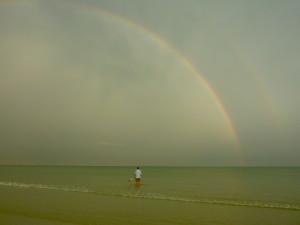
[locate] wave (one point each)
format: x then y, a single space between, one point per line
154 196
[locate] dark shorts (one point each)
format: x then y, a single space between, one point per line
137 179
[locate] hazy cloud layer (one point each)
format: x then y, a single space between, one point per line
79 86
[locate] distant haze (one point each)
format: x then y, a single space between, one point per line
129 82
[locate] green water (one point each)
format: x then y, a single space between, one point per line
168 195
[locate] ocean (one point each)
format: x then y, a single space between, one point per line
167 195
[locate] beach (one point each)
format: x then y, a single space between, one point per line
168 195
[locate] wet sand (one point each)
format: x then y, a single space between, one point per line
33 206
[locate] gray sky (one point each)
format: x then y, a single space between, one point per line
116 82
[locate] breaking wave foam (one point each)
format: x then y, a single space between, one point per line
153 196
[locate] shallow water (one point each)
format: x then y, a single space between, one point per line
168 195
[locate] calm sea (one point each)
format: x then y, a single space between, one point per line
168 195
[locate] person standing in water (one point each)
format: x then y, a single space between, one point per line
137 176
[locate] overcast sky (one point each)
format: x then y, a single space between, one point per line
131 82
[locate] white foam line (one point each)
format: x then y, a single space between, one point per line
153 197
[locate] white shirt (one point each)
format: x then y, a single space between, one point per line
138 173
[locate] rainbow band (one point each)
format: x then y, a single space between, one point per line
162 42
184 59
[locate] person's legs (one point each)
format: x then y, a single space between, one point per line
137 182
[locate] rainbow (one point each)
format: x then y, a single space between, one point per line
254 75
184 59
168 46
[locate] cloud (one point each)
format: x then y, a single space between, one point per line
75 84
110 144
